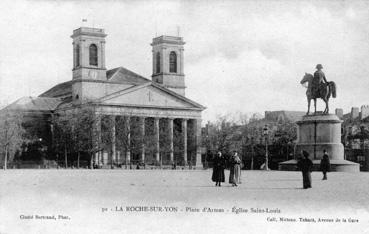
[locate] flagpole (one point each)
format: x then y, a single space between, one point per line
84 21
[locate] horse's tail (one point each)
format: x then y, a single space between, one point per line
333 88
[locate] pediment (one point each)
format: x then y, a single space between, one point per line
149 95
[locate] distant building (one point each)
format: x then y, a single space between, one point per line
355 135
276 123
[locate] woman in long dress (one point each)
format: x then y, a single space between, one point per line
218 169
235 170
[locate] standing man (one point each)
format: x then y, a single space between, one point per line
318 81
306 166
325 165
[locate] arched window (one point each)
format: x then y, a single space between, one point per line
93 54
158 62
77 55
173 62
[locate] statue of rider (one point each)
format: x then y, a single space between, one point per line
319 81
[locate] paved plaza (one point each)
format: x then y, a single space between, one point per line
166 201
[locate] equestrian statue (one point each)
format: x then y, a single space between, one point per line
318 87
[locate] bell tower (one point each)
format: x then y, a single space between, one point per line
89 54
167 53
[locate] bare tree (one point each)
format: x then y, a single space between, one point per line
62 135
220 134
11 133
77 131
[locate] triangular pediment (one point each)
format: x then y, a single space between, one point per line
149 95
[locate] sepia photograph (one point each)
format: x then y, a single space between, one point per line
184 116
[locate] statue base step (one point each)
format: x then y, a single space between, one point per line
336 165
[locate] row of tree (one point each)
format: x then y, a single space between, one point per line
77 135
245 135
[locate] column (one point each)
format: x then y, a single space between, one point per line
74 55
113 140
157 143
181 70
127 133
154 62
97 140
171 148
184 134
197 125
52 135
102 54
142 120
165 60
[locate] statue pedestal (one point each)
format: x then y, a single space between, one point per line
316 133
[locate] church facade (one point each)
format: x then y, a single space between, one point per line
157 108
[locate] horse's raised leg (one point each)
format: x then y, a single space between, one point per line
326 107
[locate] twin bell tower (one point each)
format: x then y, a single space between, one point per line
89 59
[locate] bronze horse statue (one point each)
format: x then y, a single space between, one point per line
324 92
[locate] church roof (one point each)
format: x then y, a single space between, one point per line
116 75
60 90
123 75
35 104
60 95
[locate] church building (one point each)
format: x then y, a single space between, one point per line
119 94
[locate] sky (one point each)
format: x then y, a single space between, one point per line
240 56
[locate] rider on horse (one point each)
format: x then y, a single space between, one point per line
319 82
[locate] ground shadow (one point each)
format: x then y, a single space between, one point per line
213 186
286 180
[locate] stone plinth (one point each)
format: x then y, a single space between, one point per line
336 165
316 133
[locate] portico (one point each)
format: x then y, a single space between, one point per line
148 124
150 140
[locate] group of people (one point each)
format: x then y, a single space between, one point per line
306 166
219 164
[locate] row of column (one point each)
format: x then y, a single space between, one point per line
157 139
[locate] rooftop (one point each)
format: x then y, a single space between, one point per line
35 104
89 32
168 39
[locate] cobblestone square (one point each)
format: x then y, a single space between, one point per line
166 201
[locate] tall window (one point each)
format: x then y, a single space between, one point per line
77 55
93 54
158 62
173 62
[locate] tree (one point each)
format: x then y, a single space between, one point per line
221 135
11 133
83 130
128 137
62 135
76 131
244 134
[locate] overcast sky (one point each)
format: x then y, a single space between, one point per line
240 56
